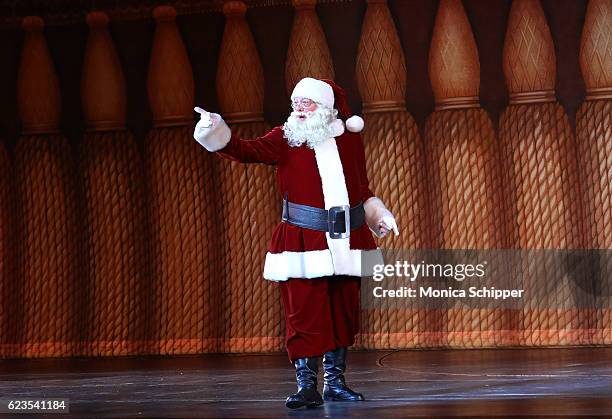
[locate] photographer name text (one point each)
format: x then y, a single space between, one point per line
457 272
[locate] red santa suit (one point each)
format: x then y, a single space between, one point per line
331 174
318 275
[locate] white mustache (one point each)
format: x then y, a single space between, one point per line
297 114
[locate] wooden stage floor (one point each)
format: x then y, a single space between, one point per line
432 383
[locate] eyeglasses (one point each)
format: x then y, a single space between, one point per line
302 103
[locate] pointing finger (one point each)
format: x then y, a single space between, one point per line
395 230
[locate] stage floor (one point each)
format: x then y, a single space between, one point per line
433 383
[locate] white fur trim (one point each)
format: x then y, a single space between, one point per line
354 123
331 173
215 137
318 263
334 194
337 128
316 90
285 265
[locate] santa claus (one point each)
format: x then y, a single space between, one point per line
318 250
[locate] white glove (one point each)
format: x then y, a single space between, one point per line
211 131
379 218
387 223
205 124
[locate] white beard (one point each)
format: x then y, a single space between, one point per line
314 129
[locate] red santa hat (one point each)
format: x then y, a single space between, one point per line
328 93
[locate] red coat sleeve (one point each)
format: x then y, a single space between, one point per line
269 148
366 192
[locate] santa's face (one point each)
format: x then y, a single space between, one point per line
309 123
301 104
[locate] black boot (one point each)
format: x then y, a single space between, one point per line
306 370
334 386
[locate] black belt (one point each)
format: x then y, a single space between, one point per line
334 221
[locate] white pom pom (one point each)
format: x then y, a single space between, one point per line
354 123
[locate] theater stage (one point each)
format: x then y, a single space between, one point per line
434 383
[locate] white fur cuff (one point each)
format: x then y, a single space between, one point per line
215 137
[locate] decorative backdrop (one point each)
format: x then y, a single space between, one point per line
488 125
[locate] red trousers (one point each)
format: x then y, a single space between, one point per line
321 314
